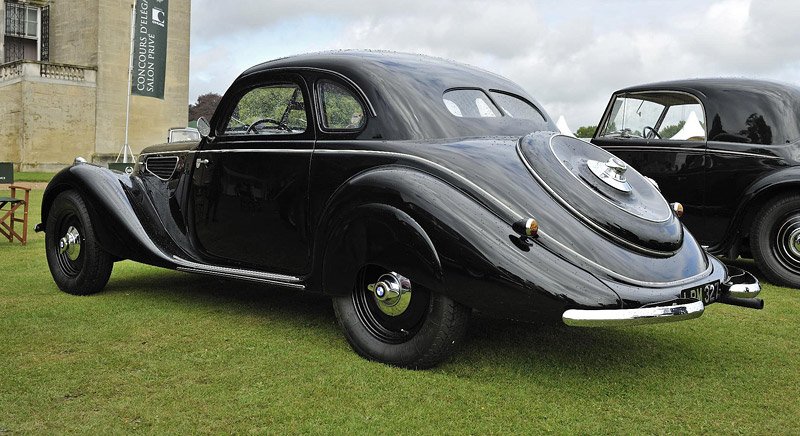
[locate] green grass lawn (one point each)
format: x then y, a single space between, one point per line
165 351
33 177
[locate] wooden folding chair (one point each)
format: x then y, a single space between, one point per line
8 216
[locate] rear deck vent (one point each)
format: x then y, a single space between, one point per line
162 167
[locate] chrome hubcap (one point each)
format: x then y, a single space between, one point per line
794 242
70 244
392 293
787 243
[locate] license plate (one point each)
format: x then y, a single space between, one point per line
707 293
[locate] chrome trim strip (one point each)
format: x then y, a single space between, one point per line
166 153
287 280
629 168
629 317
237 277
689 150
586 221
260 150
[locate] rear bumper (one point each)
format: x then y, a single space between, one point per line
739 289
681 310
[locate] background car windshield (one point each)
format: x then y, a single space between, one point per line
673 116
269 110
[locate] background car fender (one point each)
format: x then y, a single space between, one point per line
769 186
119 229
449 241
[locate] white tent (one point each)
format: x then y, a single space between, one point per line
692 129
563 127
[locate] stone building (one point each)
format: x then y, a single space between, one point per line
64 82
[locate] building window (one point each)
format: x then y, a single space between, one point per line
26 32
22 20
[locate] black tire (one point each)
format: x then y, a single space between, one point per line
424 335
775 240
84 268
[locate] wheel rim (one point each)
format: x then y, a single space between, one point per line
786 243
389 318
68 248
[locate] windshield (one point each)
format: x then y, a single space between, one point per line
661 115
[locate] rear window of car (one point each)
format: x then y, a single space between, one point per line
474 103
516 107
470 103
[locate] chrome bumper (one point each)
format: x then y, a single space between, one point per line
681 311
740 284
740 289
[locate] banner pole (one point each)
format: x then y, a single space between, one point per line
126 148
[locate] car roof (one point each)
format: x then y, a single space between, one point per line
406 91
741 110
704 85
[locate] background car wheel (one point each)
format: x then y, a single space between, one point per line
775 240
415 329
78 265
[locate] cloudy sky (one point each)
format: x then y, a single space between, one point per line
569 54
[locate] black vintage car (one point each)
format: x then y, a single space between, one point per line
410 190
729 151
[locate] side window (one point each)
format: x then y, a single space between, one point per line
276 109
470 103
663 115
683 122
341 110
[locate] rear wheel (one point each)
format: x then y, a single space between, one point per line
775 240
389 319
78 265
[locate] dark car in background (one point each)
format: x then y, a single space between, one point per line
729 151
410 190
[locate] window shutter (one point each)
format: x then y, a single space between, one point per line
45 36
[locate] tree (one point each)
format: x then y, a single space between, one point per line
585 131
670 131
205 106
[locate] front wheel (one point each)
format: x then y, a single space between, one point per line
775 240
78 265
388 319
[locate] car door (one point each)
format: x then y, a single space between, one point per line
250 185
661 135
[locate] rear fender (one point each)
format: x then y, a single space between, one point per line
383 235
759 192
400 216
118 228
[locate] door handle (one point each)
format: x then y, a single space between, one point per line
199 162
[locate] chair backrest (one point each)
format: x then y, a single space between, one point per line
6 173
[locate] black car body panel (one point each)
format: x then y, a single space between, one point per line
414 188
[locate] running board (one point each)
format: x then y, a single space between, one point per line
237 273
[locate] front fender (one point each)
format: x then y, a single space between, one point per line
119 229
480 261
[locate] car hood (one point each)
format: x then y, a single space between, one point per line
626 235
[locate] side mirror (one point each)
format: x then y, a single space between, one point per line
203 127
